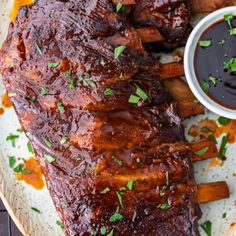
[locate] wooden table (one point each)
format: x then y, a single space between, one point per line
7 226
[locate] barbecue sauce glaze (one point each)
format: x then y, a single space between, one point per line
209 61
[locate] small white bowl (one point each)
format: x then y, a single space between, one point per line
190 74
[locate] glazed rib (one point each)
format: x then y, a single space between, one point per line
120 158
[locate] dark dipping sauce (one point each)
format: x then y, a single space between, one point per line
210 61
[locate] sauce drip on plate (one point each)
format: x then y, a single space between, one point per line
6 102
34 177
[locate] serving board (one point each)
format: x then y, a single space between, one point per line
19 197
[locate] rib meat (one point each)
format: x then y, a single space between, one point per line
124 166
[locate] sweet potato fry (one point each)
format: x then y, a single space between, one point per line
171 70
210 192
149 34
187 103
204 150
199 6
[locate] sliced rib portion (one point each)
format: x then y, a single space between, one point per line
106 131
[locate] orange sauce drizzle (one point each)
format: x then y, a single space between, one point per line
212 128
35 178
16 7
6 102
216 162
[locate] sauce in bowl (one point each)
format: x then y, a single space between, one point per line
215 61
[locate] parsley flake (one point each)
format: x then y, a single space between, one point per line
35 210
130 184
60 107
59 223
163 206
207 227
108 92
205 86
11 161
49 158
43 91
116 217
53 64
105 190
118 51
12 138
205 43
223 120
202 151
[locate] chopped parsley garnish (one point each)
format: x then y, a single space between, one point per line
213 138
108 92
202 151
53 64
232 31
119 7
228 19
43 91
18 168
49 158
205 43
94 232
130 184
222 42
223 120
163 206
73 82
11 161
231 64
122 188
212 79
205 86
116 216
60 107
30 148
89 83
207 227
111 233
12 138
63 140
68 73
224 215
59 223
118 51
133 99
141 93
120 198
223 147
47 142
36 210
103 230
120 163
105 190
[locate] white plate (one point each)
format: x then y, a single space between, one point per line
19 197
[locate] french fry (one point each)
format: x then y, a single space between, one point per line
149 34
171 70
199 6
187 103
210 192
208 145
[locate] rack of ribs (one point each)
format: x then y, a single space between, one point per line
106 132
